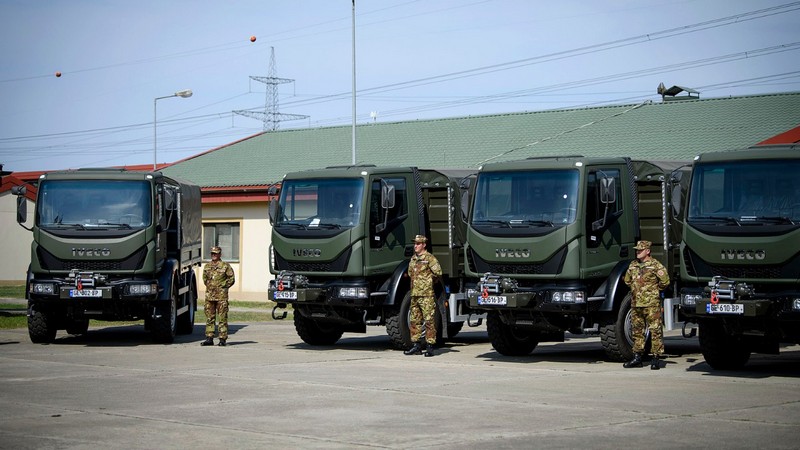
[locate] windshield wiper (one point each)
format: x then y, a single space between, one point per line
773 219
328 226
118 225
538 223
725 219
292 224
503 223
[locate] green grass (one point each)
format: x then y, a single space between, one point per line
262 313
12 291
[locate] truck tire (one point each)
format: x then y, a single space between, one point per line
314 333
186 321
616 337
506 340
721 350
41 327
164 326
398 325
77 326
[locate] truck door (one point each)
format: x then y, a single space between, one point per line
390 236
607 235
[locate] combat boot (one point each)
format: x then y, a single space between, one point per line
429 350
222 342
654 364
208 341
416 349
635 362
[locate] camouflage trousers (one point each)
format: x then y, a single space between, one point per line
423 310
217 310
641 320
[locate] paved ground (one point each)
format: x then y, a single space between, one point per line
115 389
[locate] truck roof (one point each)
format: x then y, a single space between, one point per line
358 171
641 168
760 152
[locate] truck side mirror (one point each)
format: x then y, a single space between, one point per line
387 195
608 190
464 186
22 203
274 207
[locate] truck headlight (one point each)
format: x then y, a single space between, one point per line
796 304
568 297
43 288
690 299
353 292
142 289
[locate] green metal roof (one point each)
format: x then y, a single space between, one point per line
675 130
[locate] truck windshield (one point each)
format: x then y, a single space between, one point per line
93 204
525 199
746 192
321 203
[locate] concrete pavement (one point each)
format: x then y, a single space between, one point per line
113 388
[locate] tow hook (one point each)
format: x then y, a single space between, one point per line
691 333
275 315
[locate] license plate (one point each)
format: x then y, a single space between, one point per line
285 295
492 300
85 293
725 308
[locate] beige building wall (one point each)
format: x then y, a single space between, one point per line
16 240
252 268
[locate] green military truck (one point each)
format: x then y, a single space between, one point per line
551 238
112 245
740 255
341 241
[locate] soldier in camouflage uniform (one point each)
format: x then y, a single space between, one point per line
218 277
646 277
423 269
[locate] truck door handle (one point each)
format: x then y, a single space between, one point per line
624 251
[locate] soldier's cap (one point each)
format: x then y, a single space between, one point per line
216 250
420 239
643 245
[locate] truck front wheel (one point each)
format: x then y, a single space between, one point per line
616 336
506 339
164 324
721 350
398 325
314 333
41 327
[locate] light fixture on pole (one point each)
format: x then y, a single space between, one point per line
186 93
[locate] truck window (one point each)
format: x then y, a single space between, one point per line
595 209
94 204
320 204
377 214
745 190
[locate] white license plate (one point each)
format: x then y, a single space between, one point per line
725 308
285 295
85 293
492 300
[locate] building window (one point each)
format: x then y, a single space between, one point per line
224 235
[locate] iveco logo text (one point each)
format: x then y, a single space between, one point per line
512 252
730 253
91 252
308 252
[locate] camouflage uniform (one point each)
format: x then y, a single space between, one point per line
422 269
646 279
218 277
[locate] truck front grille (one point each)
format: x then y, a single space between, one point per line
50 262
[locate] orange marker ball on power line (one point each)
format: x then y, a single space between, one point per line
252 38
58 74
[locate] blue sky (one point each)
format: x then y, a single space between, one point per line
418 59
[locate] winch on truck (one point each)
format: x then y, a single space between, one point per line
109 244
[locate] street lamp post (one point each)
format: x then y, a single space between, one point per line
186 93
